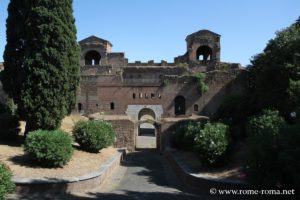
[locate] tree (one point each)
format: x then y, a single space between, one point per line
275 73
49 68
13 74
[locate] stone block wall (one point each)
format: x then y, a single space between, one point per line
124 133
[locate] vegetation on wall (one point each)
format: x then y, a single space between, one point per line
41 61
200 78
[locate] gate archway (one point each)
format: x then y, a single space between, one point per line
147 134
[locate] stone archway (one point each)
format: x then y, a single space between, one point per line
147 125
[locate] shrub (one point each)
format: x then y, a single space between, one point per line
234 111
191 130
49 148
264 145
211 142
272 160
93 135
6 185
9 126
269 122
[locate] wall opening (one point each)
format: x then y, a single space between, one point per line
204 53
196 107
179 105
133 96
92 58
79 107
146 133
112 105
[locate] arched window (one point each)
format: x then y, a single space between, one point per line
204 53
196 107
179 105
112 105
92 58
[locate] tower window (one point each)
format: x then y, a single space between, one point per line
204 53
112 105
92 58
141 95
133 96
152 95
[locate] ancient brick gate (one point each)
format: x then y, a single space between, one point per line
147 127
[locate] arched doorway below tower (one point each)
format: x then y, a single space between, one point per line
146 136
179 104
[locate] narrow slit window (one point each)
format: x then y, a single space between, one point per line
112 105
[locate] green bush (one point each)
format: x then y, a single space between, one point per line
234 111
272 158
6 185
9 126
211 142
49 148
191 130
269 122
93 135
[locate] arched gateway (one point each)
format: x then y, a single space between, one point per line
146 119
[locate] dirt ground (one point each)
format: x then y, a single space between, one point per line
82 163
230 171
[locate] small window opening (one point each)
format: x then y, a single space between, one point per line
146 96
133 96
112 105
159 95
141 95
152 95
79 107
196 107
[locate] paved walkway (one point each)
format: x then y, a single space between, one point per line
144 175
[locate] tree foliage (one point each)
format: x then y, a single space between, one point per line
42 54
275 73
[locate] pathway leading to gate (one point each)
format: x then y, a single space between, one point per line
144 175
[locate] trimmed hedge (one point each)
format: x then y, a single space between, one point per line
49 148
6 185
93 135
211 142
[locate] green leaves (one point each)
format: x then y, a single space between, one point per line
49 148
41 61
92 136
274 71
211 142
6 184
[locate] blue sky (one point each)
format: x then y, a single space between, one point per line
156 29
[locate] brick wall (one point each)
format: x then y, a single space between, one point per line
124 133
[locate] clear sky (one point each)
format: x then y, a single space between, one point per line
156 29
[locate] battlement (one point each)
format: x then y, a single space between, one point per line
151 63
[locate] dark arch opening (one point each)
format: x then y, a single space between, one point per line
179 105
204 53
196 107
146 127
92 58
